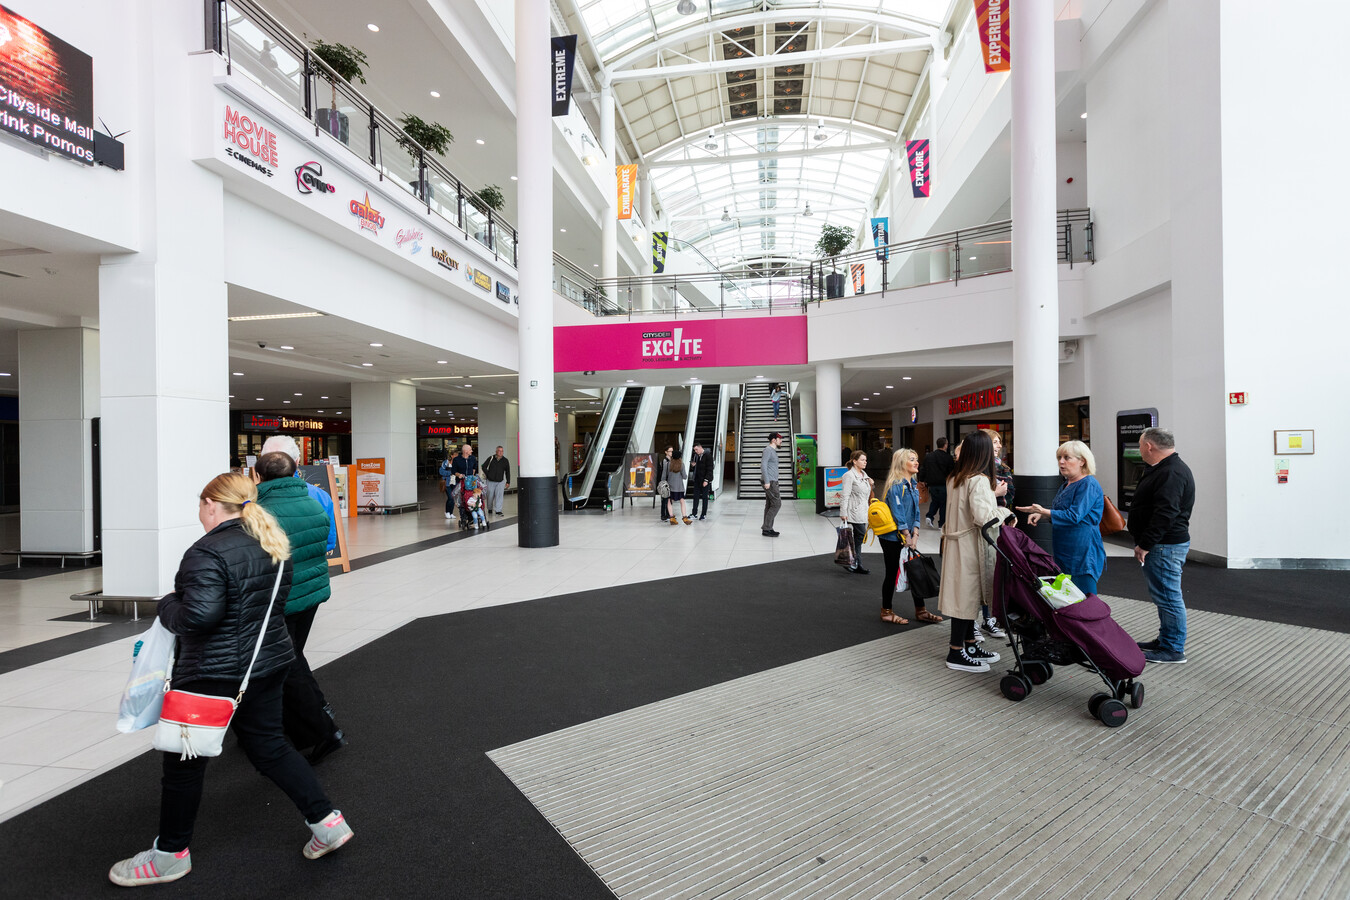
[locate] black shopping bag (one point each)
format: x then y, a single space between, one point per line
843 548
923 576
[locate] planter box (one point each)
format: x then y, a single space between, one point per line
834 285
333 122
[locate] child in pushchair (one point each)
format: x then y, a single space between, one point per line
1042 636
475 505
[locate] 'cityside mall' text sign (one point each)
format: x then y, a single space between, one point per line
46 89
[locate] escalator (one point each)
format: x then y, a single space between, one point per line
705 418
616 445
706 425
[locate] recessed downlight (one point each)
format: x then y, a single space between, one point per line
890 387
441 362
480 142
906 378
377 345
372 26
436 94
236 373
287 347
367 365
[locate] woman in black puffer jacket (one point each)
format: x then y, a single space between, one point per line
221 592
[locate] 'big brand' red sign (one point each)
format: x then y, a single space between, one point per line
984 399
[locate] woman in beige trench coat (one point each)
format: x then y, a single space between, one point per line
967 559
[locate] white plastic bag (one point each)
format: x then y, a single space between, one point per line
1060 591
901 578
144 693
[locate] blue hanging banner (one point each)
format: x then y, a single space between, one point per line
564 58
881 237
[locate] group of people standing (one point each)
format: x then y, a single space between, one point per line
693 479
972 487
476 496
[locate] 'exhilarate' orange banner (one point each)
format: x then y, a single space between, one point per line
627 182
991 17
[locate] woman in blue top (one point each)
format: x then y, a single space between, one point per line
1076 517
901 493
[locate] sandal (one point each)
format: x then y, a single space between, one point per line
924 615
891 618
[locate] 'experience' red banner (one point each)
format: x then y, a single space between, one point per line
919 166
992 19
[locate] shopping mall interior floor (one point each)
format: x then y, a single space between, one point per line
645 706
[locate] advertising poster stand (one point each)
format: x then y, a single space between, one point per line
804 465
323 477
370 486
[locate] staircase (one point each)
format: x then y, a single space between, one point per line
616 446
756 425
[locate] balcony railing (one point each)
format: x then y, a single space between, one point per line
261 49
948 257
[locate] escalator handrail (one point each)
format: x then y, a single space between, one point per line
603 430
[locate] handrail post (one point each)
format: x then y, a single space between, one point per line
422 179
373 139
492 235
308 75
1068 242
515 248
957 254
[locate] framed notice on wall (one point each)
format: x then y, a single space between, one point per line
1294 442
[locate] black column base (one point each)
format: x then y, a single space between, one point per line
1036 489
537 511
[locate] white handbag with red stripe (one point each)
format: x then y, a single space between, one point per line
193 725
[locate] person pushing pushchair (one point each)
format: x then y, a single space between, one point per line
459 473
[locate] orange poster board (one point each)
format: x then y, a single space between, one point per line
627 184
991 17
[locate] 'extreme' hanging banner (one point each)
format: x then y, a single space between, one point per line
627 176
991 17
919 164
659 241
564 58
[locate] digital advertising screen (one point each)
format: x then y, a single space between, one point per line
46 89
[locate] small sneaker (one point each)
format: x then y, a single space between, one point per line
152 866
990 627
976 652
1149 645
449 515
329 835
1164 656
961 661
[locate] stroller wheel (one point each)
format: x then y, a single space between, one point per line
1112 712
1015 687
1137 695
1095 703
1038 672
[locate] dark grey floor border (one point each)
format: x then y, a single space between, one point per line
114 628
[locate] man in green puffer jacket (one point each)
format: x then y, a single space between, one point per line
306 715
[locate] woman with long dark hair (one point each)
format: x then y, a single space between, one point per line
855 496
222 596
967 559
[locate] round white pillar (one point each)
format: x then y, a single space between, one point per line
829 417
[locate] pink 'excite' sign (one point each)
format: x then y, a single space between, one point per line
692 343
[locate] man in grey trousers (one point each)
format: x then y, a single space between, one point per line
768 467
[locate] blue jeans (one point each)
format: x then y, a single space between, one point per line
1085 583
1162 568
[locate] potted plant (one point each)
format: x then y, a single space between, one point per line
834 239
348 63
432 137
485 199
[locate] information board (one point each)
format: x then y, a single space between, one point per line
834 486
325 479
1130 423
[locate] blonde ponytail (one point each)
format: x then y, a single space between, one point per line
239 494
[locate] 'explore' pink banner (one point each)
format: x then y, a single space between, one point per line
691 343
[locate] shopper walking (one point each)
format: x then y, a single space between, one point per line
677 481
1159 521
497 473
456 472
1076 517
285 444
853 503
967 559
663 475
307 717
222 596
937 465
768 473
777 395
700 481
901 493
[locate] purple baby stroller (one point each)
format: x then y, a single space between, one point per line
1043 637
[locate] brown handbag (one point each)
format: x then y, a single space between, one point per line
1112 520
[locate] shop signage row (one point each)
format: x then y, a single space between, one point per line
451 430
986 398
247 140
46 89
256 422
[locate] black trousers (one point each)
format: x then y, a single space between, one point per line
963 631
939 505
698 492
257 725
302 702
859 535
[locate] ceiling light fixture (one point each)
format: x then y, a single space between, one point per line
905 378
287 347
480 142
890 387
373 27
377 345
686 7
436 94
807 212
323 398
367 365
1083 116
711 143
726 214
236 373
300 315
820 134
514 178
563 230
441 362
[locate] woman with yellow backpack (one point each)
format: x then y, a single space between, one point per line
901 498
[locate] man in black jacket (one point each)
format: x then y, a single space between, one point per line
937 465
700 480
1159 521
497 472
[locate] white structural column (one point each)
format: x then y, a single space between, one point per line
163 331
806 398
538 501
899 419
58 398
1035 269
829 415
384 426
499 424
609 221
648 223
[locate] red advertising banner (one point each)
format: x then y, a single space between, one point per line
920 162
686 344
859 279
991 18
